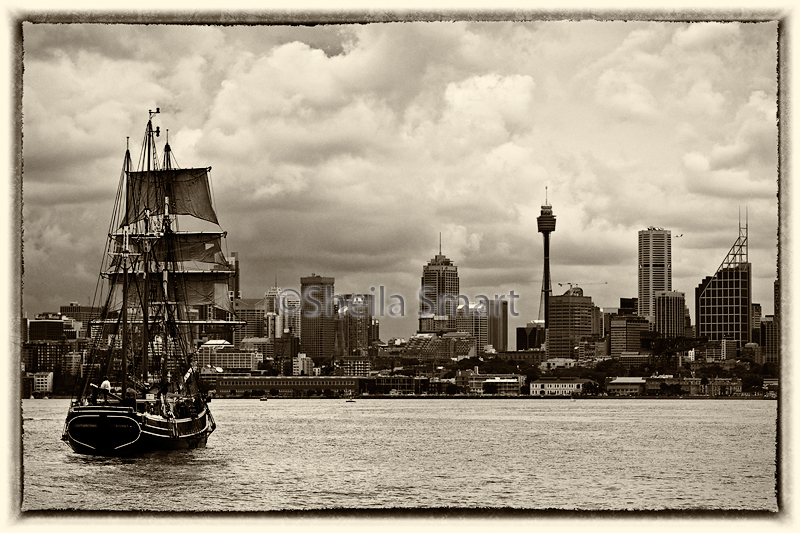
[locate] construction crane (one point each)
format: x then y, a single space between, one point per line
571 283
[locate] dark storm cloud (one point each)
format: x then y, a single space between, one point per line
346 150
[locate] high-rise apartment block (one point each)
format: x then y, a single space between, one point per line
439 293
655 268
723 304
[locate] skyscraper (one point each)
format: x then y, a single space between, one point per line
354 322
723 302
439 293
547 224
655 268
317 317
498 324
670 317
571 319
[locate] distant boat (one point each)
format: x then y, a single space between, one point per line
155 278
263 398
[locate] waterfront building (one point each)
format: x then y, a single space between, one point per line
670 314
317 317
440 289
233 385
723 302
558 386
626 386
498 324
572 318
472 382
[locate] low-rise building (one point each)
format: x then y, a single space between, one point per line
626 386
471 381
557 362
558 386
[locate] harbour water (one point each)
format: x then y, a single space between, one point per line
590 455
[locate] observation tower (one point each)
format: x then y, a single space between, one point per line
547 224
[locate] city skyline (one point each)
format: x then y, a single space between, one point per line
346 150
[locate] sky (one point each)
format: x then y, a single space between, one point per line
345 150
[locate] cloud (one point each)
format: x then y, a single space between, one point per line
345 150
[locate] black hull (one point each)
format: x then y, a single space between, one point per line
111 430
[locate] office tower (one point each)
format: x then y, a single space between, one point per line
755 326
282 313
439 293
354 321
532 336
251 311
769 334
474 319
82 313
626 334
670 317
571 320
723 302
547 224
317 317
233 282
655 268
498 324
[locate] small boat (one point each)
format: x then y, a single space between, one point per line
160 288
264 399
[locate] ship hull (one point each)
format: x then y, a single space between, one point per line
110 430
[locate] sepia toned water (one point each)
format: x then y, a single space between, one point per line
426 453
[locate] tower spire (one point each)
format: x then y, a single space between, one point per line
546 224
440 243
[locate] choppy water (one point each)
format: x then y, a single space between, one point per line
427 453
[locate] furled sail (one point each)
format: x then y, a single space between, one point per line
187 189
189 288
203 247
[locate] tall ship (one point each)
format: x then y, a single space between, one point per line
161 288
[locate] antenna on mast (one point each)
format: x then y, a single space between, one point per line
440 243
